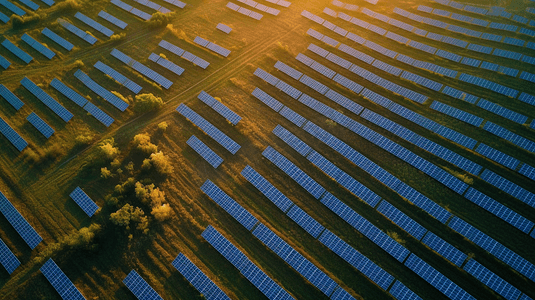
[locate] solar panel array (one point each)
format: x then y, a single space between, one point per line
184 54
260 7
38 46
94 24
32 5
58 39
12 136
7 258
23 228
4 18
249 270
25 57
401 219
229 205
112 19
510 136
82 199
509 187
209 129
68 92
4 63
492 280
10 97
99 90
498 156
50 102
245 11
454 255
61 283
502 111
198 279
148 72
457 113
176 3
100 115
12 7
78 32
127 7
204 151
139 287
153 5
266 188
211 46
226 29
219 107
40 125
123 80
166 64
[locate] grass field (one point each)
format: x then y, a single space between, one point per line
39 179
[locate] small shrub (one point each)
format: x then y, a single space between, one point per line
105 173
18 22
147 102
117 37
162 126
160 19
161 163
142 142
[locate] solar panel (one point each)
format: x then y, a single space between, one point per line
23 228
204 151
99 90
249 270
226 29
100 115
112 19
61 283
457 113
4 18
58 39
94 24
176 3
136 12
401 219
78 32
308 223
25 57
50 102
4 63
267 99
83 200
220 108
198 279
212 46
444 248
297 261
10 97
502 111
123 80
12 7
153 5
509 187
492 280
68 92
498 156
510 136
266 188
209 129
168 46
139 287
40 125
38 46
401 292
7 258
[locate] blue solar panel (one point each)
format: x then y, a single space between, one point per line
10 97
251 271
100 115
12 136
502 111
38 46
99 90
112 19
220 108
501 252
356 259
266 188
40 125
25 57
61 283
497 156
297 261
401 292
169 65
4 63
266 76
305 221
229 205
436 279
208 154
58 39
83 200
267 99
501 211
444 248
86 36
457 113
129 84
24 229
209 129
509 187
293 141
7 258
94 24
141 68
401 219
492 280
198 279
139 287
50 102
493 86
514 138
527 171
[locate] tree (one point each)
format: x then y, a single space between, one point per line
161 212
147 102
105 173
127 214
160 19
108 150
161 163
142 142
162 126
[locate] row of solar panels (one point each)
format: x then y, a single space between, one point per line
101 91
146 71
447 155
245 11
212 46
38 46
282 3
169 65
226 29
219 107
86 36
413 228
209 129
435 238
129 8
184 54
492 11
260 7
297 261
204 151
153 5
13 8
94 24
123 80
436 37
